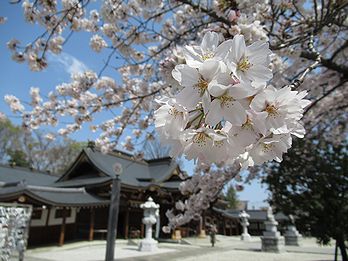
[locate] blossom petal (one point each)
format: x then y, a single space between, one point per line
189 97
241 90
209 69
223 49
193 56
259 73
238 48
205 101
258 49
259 102
216 89
234 113
214 115
185 75
210 42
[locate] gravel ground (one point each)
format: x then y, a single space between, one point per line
227 248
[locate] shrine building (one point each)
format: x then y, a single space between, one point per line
75 206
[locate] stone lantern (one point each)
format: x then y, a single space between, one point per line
150 217
272 241
243 216
292 236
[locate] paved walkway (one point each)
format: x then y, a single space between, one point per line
227 248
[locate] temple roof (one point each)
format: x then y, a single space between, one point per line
10 174
93 168
136 173
67 197
255 214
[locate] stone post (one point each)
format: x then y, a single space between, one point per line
292 236
243 216
150 210
272 241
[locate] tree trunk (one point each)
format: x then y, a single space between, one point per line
342 246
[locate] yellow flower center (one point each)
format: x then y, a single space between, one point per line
244 64
248 125
207 56
225 100
201 139
202 85
272 110
174 112
267 147
218 143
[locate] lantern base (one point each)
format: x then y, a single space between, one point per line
148 245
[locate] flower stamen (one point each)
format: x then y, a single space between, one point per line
248 125
226 100
201 139
244 64
174 112
272 110
267 147
202 85
207 56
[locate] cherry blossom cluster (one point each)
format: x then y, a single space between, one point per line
225 110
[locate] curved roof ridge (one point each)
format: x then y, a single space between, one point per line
27 169
55 189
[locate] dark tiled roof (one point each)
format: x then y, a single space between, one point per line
52 196
255 214
136 173
76 183
31 177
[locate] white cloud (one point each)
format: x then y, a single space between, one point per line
70 63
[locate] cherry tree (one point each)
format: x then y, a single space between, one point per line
223 82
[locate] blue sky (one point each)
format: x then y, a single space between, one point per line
17 79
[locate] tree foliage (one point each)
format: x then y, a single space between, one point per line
312 184
35 149
231 197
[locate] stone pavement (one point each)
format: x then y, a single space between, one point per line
227 248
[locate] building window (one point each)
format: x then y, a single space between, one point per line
60 213
37 213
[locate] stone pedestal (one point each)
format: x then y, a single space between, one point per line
148 245
272 241
245 237
292 236
272 244
150 212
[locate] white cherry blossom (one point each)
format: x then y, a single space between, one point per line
209 49
267 149
249 63
171 117
195 82
282 106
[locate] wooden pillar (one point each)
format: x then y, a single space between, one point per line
142 230
91 225
62 228
259 229
126 222
224 226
